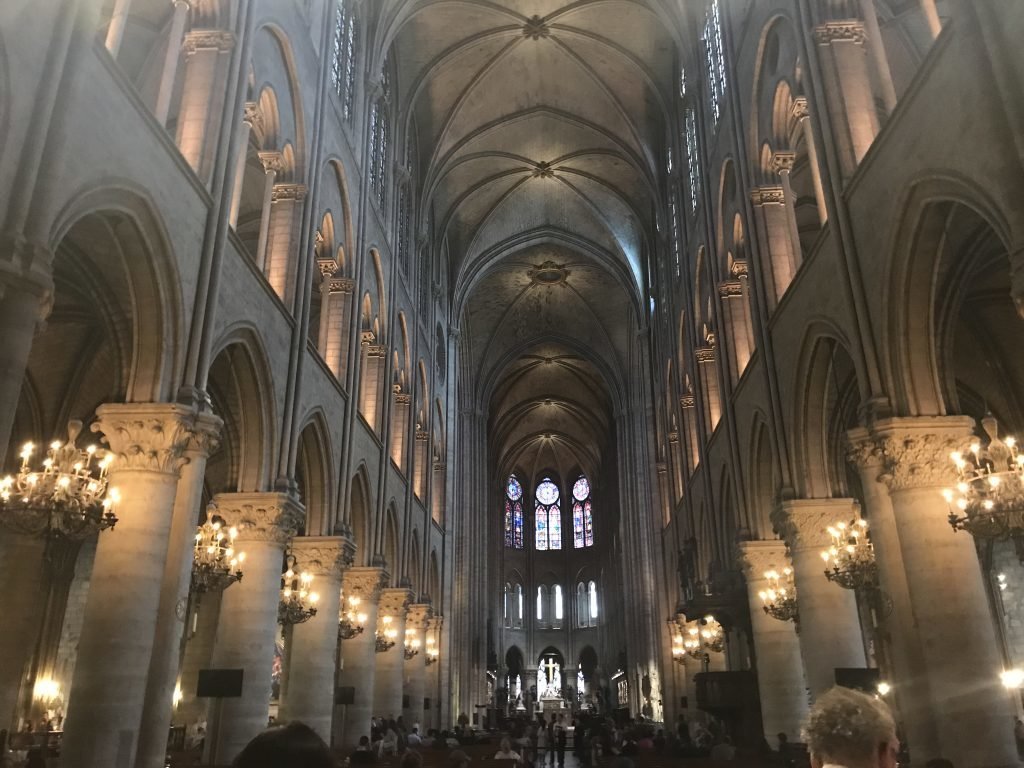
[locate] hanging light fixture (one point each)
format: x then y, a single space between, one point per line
352 621
678 649
216 564
385 640
704 637
988 501
432 651
68 497
294 593
779 600
850 559
412 644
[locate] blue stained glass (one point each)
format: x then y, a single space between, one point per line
547 492
554 528
581 490
577 525
517 525
542 528
508 523
514 490
588 524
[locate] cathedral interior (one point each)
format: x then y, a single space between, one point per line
466 360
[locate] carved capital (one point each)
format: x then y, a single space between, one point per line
327 268
204 437
439 466
847 31
272 160
803 523
296 192
688 401
769 195
799 110
418 616
421 436
705 354
739 268
219 40
863 451
342 285
364 583
783 162
756 557
253 115
730 288
402 398
916 451
150 437
394 601
271 517
374 350
323 556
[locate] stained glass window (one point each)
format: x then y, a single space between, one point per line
692 158
343 57
715 59
513 513
548 517
582 514
380 137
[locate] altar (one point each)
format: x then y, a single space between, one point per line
550 698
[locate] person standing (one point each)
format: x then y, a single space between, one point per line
561 738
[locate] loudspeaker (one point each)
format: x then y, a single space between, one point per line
345 694
219 684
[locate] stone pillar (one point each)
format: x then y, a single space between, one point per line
420 463
309 697
780 674
959 645
773 229
199 113
273 164
169 74
908 675
432 677
201 631
250 117
400 406
883 74
803 117
357 668
21 564
736 309
285 206
387 683
415 669
148 441
830 633
782 164
248 616
374 357
931 15
708 371
847 84
163 664
26 296
334 337
118 22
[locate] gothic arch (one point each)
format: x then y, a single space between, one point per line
389 544
763 480
314 475
360 516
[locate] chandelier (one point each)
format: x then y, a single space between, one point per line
779 600
432 651
385 640
352 620
703 637
412 644
294 594
216 565
679 651
988 501
850 559
67 497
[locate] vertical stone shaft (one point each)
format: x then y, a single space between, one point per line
358 668
415 671
387 683
108 691
248 616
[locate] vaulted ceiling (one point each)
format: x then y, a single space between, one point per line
540 127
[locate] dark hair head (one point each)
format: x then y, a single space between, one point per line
295 745
412 759
364 741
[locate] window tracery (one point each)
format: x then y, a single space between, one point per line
513 513
548 516
582 514
343 57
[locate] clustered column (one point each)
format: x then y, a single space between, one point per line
780 675
248 615
310 693
357 668
415 668
387 684
830 631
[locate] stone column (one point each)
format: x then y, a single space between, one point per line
432 677
387 683
118 22
931 15
163 664
830 633
309 697
420 463
169 74
205 53
374 358
357 669
780 674
273 164
708 371
335 337
251 116
959 645
285 206
782 164
201 631
148 441
883 73
401 404
21 564
415 669
248 616
773 229
26 296
736 309
803 117
908 675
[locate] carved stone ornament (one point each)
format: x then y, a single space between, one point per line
422 436
756 557
863 451
296 192
536 28
851 31
375 350
342 285
705 354
364 583
322 556
803 523
418 616
327 268
768 196
272 160
688 401
394 601
916 450
799 109
271 517
739 269
205 434
208 40
146 436
783 162
730 288
402 398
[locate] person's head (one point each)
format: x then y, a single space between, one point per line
412 759
939 762
783 738
506 745
364 741
852 729
295 745
458 759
